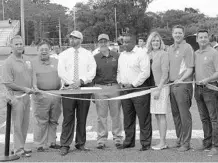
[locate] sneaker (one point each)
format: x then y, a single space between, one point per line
22 153
28 150
212 152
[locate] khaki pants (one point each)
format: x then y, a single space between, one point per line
20 121
47 110
102 108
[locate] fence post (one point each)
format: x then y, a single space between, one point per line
6 156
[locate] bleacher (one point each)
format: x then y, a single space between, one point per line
7 31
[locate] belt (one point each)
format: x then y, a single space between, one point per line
108 84
201 86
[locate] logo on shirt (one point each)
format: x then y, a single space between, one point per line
28 64
114 59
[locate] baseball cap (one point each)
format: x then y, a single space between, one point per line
77 34
103 36
215 46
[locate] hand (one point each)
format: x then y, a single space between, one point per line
156 94
37 91
29 91
204 81
77 83
127 85
121 85
178 81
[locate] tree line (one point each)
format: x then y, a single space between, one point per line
42 19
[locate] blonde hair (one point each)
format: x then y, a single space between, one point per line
150 38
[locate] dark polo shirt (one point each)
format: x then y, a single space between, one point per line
206 63
46 74
106 72
183 53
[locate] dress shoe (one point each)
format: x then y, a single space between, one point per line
64 151
183 148
101 146
55 146
40 149
204 148
177 145
117 145
144 148
123 146
82 148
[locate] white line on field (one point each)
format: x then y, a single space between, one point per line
171 134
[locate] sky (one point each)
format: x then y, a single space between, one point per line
208 7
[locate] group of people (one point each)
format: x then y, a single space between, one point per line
136 68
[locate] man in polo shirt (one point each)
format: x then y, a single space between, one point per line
76 68
133 72
103 39
17 76
181 57
106 74
46 108
206 72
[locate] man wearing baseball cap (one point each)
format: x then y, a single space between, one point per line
107 63
103 39
76 68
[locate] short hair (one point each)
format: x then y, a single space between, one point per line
15 37
180 27
142 38
202 31
150 37
43 42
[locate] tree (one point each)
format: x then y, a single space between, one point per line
98 16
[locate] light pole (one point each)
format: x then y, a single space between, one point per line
22 20
3 10
115 18
74 18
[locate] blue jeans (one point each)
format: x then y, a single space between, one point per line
206 100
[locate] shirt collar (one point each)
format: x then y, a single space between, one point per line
46 62
208 48
18 59
176 46
110 55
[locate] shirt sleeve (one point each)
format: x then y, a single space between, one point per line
215 61
144 64
61 69
91 69
118 70
7 73
164 65
189 57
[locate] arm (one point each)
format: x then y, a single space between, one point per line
213 77
62 73
91 70
118 71
165 69
8 79
144 64
189 62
